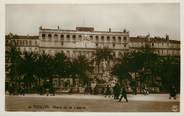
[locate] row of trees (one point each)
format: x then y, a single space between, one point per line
36 69
30 68
149 69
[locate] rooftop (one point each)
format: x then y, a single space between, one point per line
85 29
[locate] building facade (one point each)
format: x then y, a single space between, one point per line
82 41
160 46
85 41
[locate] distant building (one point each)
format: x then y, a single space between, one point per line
160 46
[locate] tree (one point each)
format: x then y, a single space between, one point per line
121 69
28 69
13 61
60 65
170 65
79 67
44 68
84 68
145 63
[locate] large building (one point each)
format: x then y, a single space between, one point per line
85 41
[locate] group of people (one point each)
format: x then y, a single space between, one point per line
118 92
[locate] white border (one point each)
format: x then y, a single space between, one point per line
88 1
2 55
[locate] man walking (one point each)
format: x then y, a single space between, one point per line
172 92
108 91
123 94
116 91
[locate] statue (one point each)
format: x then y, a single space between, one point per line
104 65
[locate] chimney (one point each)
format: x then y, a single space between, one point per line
109 29
124 31
167 37
40 27
58 27
27 35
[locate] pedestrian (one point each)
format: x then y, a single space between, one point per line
93 85
145 91
123 94
172 93
108 91
116 91
47 88
22 90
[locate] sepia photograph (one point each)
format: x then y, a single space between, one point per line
92 57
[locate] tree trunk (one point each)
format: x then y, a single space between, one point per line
39 81
98 66
73 84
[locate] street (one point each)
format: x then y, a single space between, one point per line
91 103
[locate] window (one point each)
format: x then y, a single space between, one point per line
25 42
114 54
125 38
62 43
55 36
30 43
119 38
152 44
21 42
114 38
125 45
62 36
108 38
50 36
43 36
80 36
16 42
96 44
96 37
74 36
113 44
91 36
68 36
102 38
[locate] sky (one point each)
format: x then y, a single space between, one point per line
156 19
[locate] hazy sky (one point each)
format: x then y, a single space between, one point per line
155 18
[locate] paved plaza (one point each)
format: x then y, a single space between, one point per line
92 103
